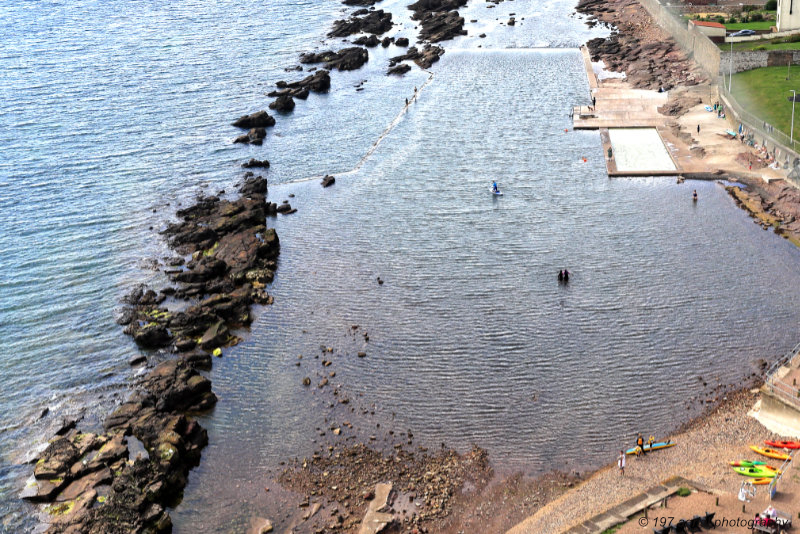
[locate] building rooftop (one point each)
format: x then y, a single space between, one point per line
709 24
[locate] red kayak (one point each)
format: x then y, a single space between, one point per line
783 444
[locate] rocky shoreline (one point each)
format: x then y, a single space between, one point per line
638 47
123 478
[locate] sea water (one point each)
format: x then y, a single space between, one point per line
114 113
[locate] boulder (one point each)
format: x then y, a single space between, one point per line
283 103
328 180
259 119
254 137
152 336
255 163
402 41
215 336
399 70
370 41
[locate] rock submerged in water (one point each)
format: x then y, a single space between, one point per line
429 55
255 163
439 19
328 181
375 22
370 41
259 119
319 82
283 103
399 70
345 59
254 137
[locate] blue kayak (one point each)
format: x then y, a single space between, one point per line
653 447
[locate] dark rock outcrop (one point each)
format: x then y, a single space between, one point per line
370 41
255 163
399 70
233 256
429 55
259 119
345 59
438 19
328 181
283 103
375 22
319 82
254 137
401 41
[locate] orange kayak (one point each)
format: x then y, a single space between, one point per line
770 453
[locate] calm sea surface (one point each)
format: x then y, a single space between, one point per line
113 113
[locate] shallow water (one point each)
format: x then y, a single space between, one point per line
109 111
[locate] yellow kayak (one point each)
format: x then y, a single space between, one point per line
770 453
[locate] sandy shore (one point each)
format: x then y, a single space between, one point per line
701 455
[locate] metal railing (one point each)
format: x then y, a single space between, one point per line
789 393
761 126
772 489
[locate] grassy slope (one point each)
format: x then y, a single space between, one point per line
760 45
765 93
763 25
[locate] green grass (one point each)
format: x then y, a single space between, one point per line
683 492
759 45
765 93
762 25
612 530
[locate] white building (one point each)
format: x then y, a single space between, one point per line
788 16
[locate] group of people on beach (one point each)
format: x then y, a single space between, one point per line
639 449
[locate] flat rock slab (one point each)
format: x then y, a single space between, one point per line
88 483
376 518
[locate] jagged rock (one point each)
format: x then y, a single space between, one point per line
401 41
254 137
438 19
375 22
429 55
328 181
345 59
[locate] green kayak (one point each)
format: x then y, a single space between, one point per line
758 471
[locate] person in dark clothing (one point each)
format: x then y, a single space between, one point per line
698 128
566 275
560 276
640 443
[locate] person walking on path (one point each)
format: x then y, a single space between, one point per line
640 443
698 128
621 462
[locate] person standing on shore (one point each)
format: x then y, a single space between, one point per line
698 128
621 462
640 443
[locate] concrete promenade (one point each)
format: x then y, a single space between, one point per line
702 154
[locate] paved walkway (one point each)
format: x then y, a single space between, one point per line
695 154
